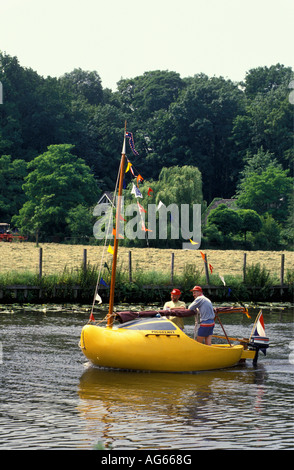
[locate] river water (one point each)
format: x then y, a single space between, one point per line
52 398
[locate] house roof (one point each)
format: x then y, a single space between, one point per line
106 198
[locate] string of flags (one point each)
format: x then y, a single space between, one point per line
136 190
137 194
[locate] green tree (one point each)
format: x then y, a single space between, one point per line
83 83
227 221
176 185
12 197
80 221
251 221
268 117
266 192
269 237
148 93
266 79
179 185
35 111
196 130
58 181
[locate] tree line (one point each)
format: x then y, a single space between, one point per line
60 146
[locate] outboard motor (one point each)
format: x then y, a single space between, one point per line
258 341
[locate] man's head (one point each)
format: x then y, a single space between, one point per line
175 295
197 291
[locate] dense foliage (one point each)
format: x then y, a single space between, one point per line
60 145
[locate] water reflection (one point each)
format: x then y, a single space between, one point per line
49 400
145 410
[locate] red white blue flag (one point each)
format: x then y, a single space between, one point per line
258 337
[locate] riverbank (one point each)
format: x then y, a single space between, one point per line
78 285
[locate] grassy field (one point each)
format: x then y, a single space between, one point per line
25 257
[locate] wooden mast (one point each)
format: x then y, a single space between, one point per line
116 235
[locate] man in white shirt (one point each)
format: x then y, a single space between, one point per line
205 308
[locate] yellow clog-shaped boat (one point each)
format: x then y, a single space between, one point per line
155 344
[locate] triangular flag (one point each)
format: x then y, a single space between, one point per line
114 233
110 250
210 268
160 204
136 191
141 208
194 243
128 166
222 279
98 299
106 266
139 179
144 228
92 317
103 282
150 191
203 256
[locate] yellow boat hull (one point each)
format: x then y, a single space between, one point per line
154 350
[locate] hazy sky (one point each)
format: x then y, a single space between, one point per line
124 39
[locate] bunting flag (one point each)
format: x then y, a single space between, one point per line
136 191
129 135
210 268
141 208
139 179
128 166
106 266
194 243
203 256
150 191
110 250
114 234
222 279
144 228
159 205
247 314
103 282
98 299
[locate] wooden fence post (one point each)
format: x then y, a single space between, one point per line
172 268
85 260
282 269
40 262
206 269
130 266
244 266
